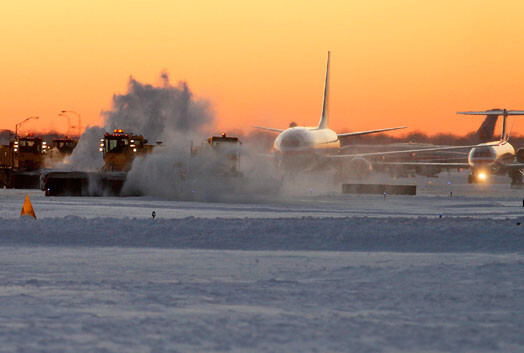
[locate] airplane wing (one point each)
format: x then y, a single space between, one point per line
514 166
268 128
370 131
425 164
389 153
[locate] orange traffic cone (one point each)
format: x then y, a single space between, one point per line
28 208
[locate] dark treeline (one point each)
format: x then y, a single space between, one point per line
420 137
7 135
263 140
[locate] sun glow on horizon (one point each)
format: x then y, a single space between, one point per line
393 63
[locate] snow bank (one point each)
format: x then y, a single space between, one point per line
335 234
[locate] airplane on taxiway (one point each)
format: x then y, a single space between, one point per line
490 158
305 147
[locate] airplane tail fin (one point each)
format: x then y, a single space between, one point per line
323 124
487 129
504 112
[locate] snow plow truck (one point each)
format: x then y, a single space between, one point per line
119 149
21 161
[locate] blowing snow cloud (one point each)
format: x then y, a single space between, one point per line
164 113
158 112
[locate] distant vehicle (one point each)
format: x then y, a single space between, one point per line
21 161
64 145
59 149
224 151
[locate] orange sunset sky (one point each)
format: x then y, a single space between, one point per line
411 63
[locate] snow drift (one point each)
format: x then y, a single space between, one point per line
308 233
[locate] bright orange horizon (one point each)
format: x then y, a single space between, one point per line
394 63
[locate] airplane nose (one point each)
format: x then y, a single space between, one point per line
482 155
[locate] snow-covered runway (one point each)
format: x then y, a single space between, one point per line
136 300
316 272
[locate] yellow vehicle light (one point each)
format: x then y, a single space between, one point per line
118 130
482 176
132 145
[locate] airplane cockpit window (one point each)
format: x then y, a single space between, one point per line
479 153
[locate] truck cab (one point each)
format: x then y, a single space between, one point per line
120 148
64 145
28 152
227 148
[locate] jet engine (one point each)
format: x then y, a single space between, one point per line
355 168
520 155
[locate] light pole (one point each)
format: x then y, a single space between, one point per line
68 122
21 123
79 119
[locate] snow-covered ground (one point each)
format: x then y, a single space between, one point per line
312 270
140 300
449 196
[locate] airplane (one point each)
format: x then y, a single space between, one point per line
483 134
300 147
484 159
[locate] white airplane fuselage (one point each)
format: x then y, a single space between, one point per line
298 148
306 140
490 154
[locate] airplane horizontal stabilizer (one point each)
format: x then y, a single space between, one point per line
493 112
268 128
504 112
370 131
